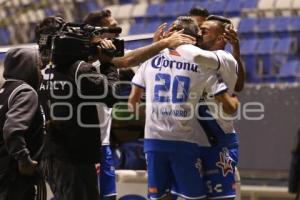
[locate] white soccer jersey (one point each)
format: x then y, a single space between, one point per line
173 88
104 115
227 70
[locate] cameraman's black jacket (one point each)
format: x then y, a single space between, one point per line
21 120
73 128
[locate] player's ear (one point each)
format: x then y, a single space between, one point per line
221 38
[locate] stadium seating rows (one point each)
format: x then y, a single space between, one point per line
269 29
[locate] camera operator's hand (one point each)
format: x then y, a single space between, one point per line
107 44
103 43
177 38
27 167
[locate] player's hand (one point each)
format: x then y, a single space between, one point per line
27 168
231 35
177 38
97 166
159 33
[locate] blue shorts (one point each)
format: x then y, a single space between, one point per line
107 178
178 172
219 165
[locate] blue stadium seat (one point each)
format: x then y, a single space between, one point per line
202 4
169 9
216 6
282 26
152 25
264 27
233 8
249 4
290 71
295 23
285 49
137 43
295 27
249 46
49 12
247 27
153 10
266 46
92 6
137 27
2 56
4 36
264 51
285 46
185 6
248 52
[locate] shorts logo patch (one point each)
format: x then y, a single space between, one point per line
152 190
198 165
225 162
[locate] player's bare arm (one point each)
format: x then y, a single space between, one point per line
232 37
195 54
142 54
134 98
229 103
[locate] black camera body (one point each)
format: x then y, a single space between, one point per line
118 52
73 42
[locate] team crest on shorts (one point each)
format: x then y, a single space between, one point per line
199 166
225 162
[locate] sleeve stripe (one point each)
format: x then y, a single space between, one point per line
219 63
76 72
221 92
140 86
17 89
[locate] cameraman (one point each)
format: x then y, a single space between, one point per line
70 91
107 177
130 59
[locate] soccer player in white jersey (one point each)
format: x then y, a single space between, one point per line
174 86
219 160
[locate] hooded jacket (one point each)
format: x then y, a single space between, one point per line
21 121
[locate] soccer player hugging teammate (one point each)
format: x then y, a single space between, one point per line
220 159
175 82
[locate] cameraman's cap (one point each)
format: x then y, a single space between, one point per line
50 25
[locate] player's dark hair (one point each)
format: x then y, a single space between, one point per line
198 11
188 24
223 22
96 18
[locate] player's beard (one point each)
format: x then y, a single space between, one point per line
206 45
201 44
